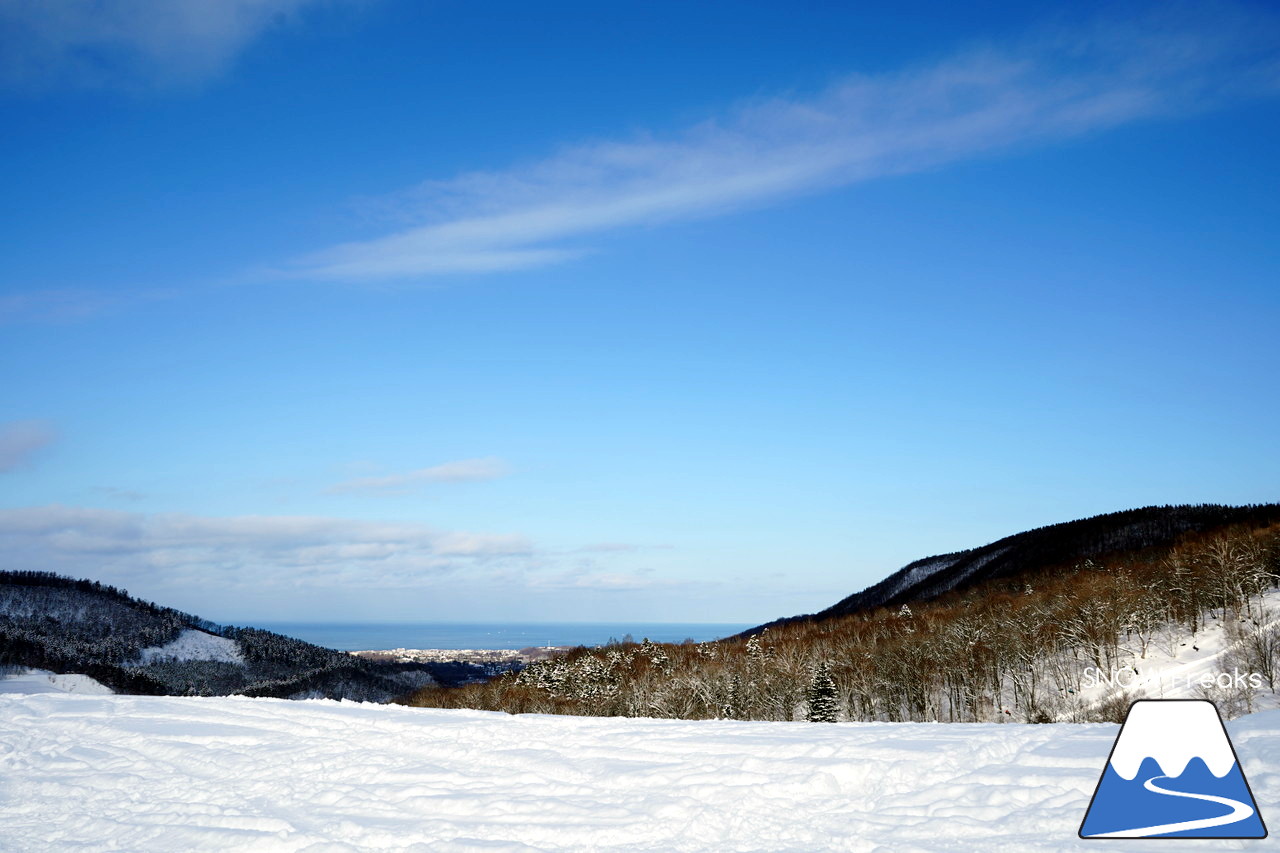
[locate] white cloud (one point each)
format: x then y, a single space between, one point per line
117 493
21 440
460 471
309 568
51 305
253 550
69 305
51 44
609 547
861 128
592 579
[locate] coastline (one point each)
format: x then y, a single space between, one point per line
479 656
481 636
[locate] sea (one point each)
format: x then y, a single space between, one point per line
495 635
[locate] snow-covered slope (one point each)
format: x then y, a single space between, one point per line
1204 665
195 645
44 681
133 646
1101 538
165 773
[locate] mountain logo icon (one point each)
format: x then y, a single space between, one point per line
1172 773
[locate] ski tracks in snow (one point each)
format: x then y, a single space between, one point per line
166 773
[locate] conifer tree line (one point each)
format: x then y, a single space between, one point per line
67 625
1016 648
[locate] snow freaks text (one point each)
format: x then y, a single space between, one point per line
1127 677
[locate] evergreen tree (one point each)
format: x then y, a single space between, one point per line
732 709
822 696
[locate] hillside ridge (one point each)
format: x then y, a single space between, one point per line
70 625
1066 543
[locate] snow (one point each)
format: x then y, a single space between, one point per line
977 564
1179 665
931 566
44 681
919 573
1172 733
232 773
195 645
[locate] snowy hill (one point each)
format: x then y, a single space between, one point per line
23 680
1207 665
193 644
165 773
66 625
1197 619
1098 538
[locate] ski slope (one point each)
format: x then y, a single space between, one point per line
195 645
167 773
27 680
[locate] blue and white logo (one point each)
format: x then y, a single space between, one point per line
1173 774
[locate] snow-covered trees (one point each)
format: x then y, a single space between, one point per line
821 696
67 625
1012 649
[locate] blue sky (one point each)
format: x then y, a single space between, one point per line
673 312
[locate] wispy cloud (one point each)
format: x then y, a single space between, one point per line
21 440
276 564
119 494
460 471
611 548
593 579
70 305
253 550
1179 60
92 44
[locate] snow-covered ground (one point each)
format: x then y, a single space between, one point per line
166 773
44 681
1179 665
195 645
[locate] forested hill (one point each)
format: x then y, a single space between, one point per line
1069 602
81 626
1064 545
